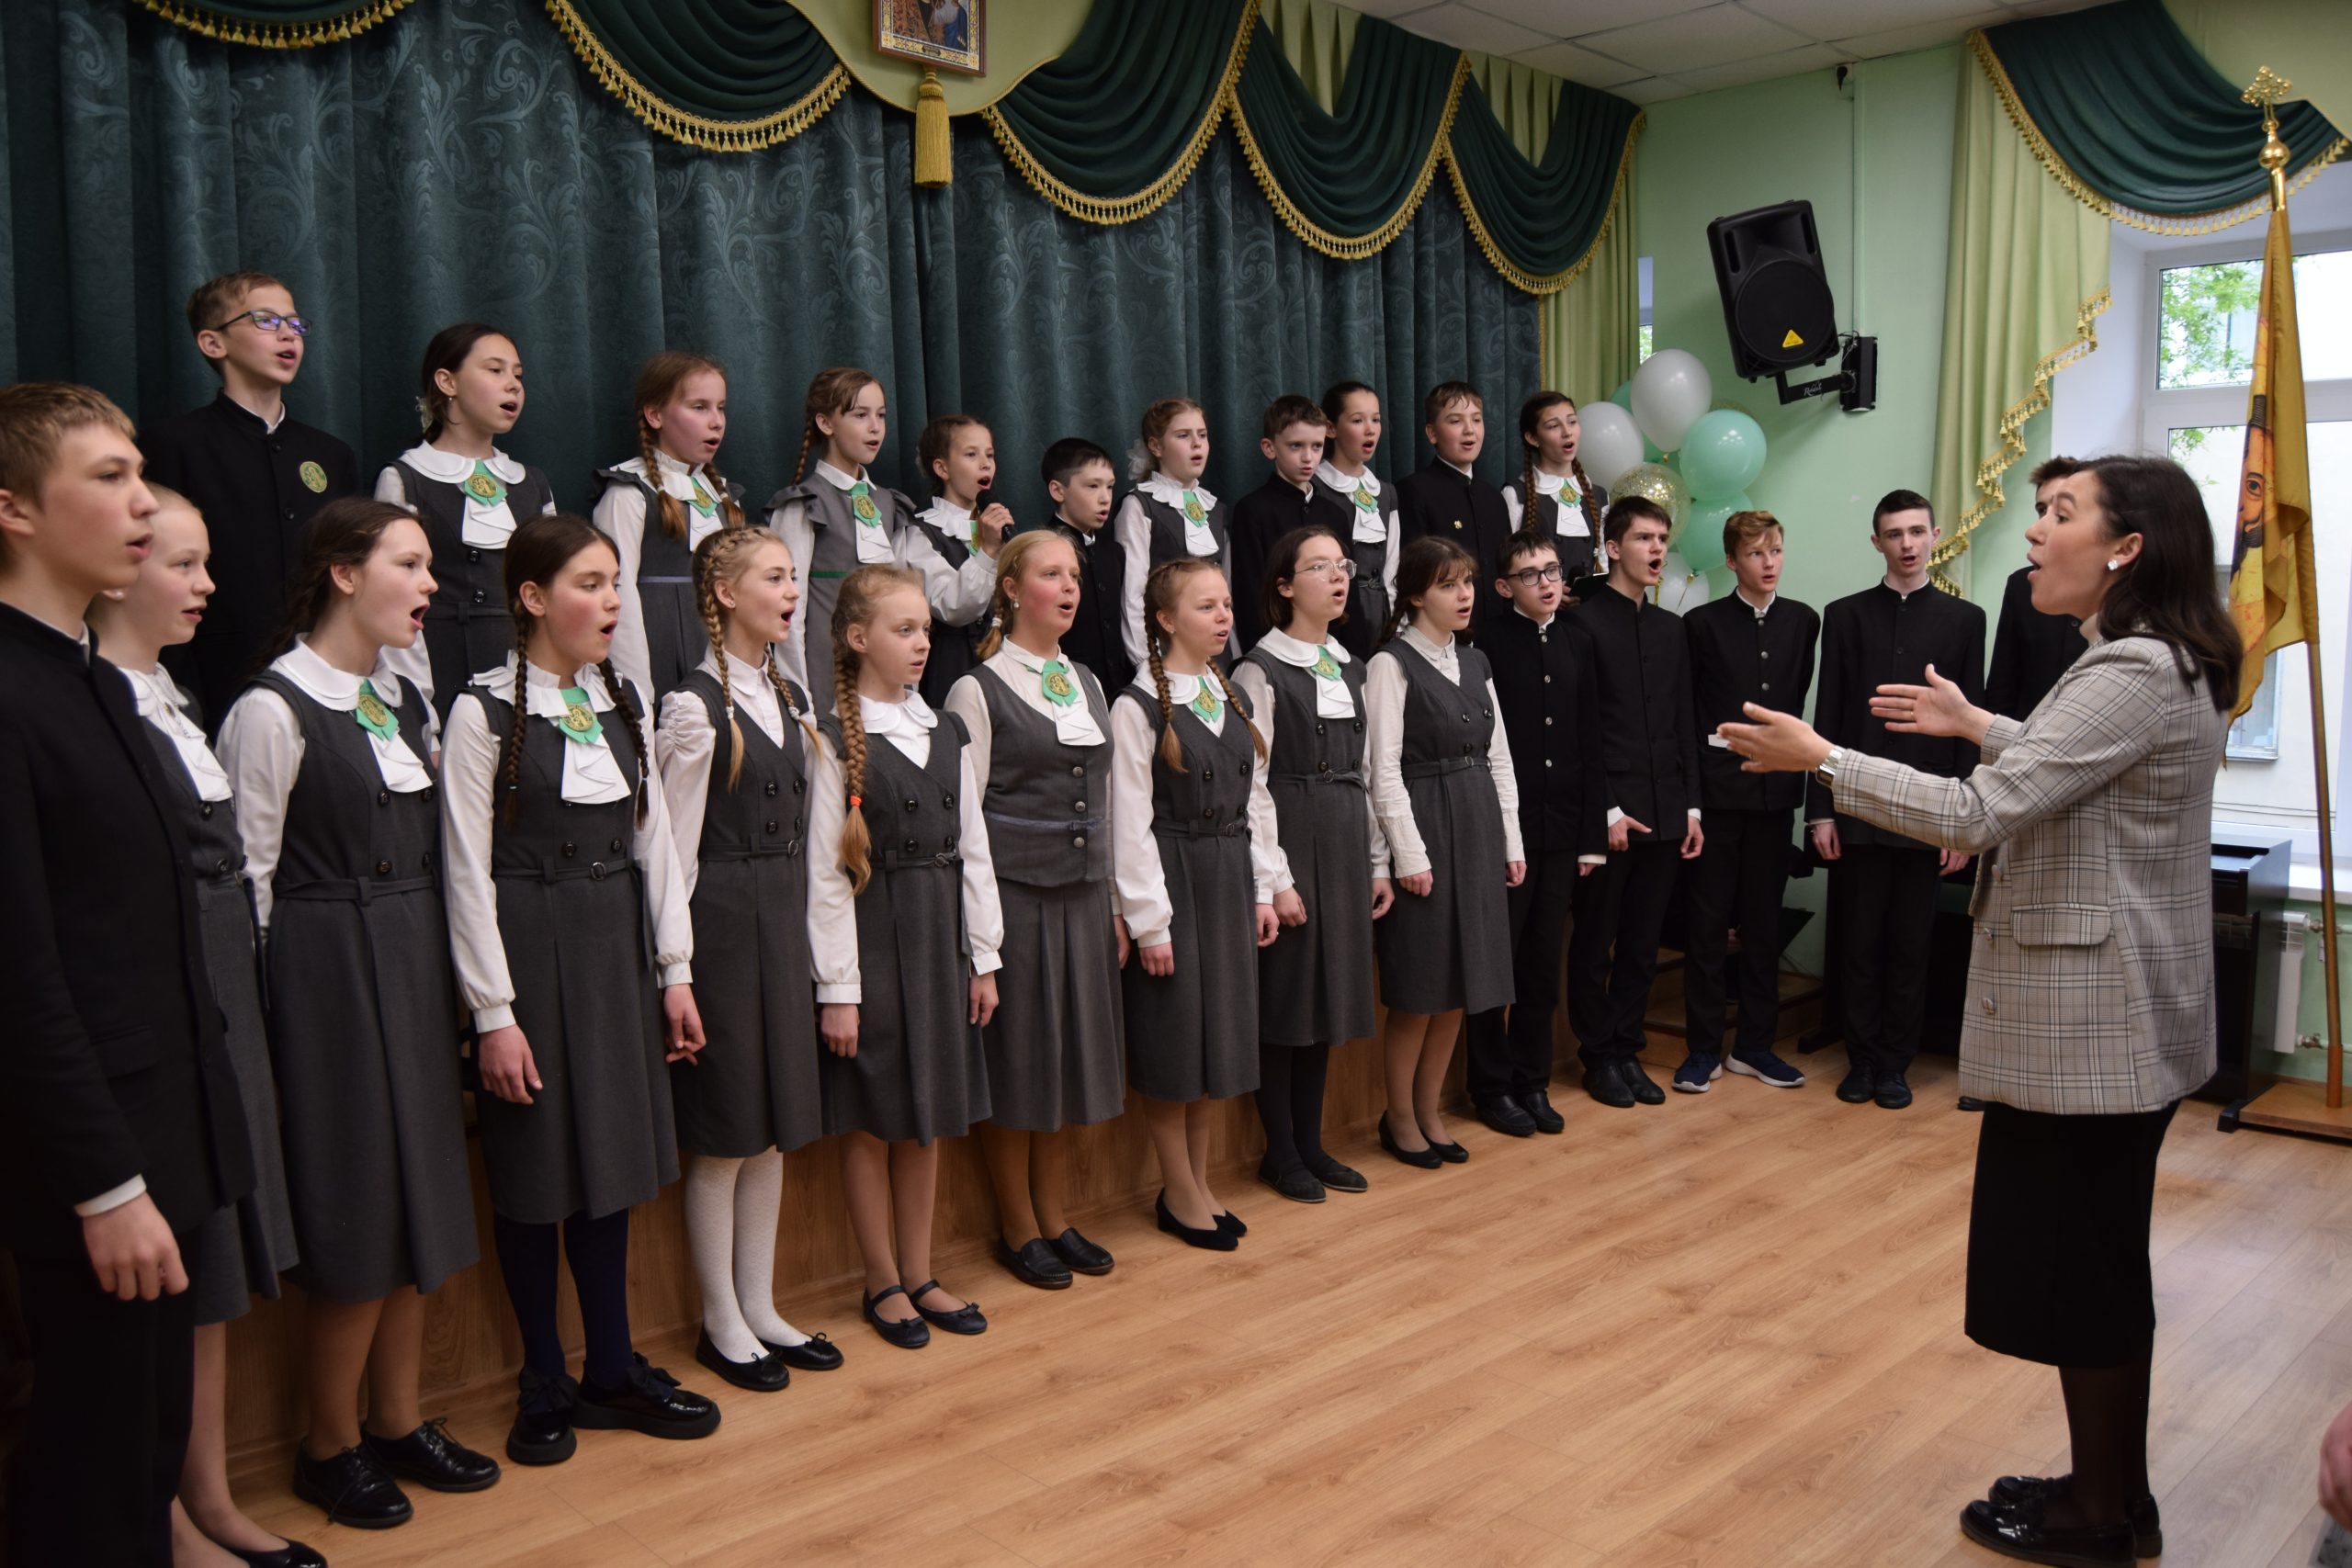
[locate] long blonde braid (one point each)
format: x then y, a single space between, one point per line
854 606
671 510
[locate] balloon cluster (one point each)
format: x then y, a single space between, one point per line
1717 454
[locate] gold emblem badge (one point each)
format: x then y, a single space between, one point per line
1324 665
1365 499
372 711
483 486
315 477
864 508
1192 511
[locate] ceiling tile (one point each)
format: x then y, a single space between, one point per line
1466 28
1715 35
1846 19
1926 35
1566 60
1567 18
1651 90
1761 68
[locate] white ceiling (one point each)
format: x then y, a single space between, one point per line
1651 49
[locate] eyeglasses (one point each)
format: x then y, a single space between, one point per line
268 321
1343 568
1536 574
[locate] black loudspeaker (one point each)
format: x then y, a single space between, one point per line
1776 299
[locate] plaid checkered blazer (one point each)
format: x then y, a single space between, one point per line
2090 980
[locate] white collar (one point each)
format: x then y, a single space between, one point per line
1550 483
157 685
677 478
837 479
1420 639
910 717
1085 534
1457 468
332 687
159 704
1160 487
1346 483
1182 688
451 467
1887 583
542 697
1542 625
1741 594
943 510
1028 661
1291 650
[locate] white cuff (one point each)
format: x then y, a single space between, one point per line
679 973
987 963
488 1019
1616 817
848 994
112 1198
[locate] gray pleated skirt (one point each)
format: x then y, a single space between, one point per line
1193 1034
755 1086
919 1073
1056 1049
1315 984
1452 948
241 1251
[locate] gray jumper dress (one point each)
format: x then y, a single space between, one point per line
239 1252
755 1087
1314 984
1452 948
919 1073
831 557
1193 1034
364 1021
1056 1048
675 640
600 1135
467 627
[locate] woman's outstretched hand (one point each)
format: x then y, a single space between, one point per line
1775 743
1939 707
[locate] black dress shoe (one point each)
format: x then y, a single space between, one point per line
1452 1153
1893 1094
1859 1086
1605 1084
1970 1102
354 1488
766 1374
1419 1159
1506 1116
2019 1533
1335 1176
1082 1256
542 1431
434 1459
911 1335
1293 1182
1212 1239
293 1554
965 1319
649 1401
1230 1224
1537 1103
2147 1524
1033 1263
1639 1081
814 1354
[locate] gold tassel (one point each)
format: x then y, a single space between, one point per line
934 161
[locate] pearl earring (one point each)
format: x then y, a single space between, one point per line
2113 564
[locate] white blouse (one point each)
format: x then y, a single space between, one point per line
1254 685
1136 870
1023 675
1370 524
1384 695
1132 528
470 799
1560 488
833 905
485 527
686 746
621 513
161 704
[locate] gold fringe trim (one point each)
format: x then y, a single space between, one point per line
1153 196
1990 496
2151 222
1536 282
685 125
1344 247
275 34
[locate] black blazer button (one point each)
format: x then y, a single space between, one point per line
910 846
614 846
946 801
383 868
205 811
1208 775
571 850
911 804
473 554
771 788
799 787
1078 773
951 840
1322 767
1208 813
478 596
771 827
383 797
220 866
1318 727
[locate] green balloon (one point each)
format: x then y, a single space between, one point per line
1703 537
1623 396
1723 454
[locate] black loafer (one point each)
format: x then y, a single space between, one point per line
542 1432
1215 1238
354 1488
1082 1256
1292 1183
1506 1116
814 1354
293 1554
650 1402
2147 1524
1230 1224
1970 1102
1419 1159
1604 1083
1893 1094
766 1374
1033 1263
1452 1153
911 1335
1638 1082
2019 1533
1859 1086
433 1458
1335 1176
965 1319
1537 1103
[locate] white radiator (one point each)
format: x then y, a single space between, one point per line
2292 934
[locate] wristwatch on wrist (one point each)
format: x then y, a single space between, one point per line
1826 772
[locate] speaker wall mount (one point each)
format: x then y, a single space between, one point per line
1778 310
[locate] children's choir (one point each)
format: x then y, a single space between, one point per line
679 833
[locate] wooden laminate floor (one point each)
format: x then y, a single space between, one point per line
1722 1332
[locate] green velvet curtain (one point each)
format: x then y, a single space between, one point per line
460 165
276 24
728 74
1543 216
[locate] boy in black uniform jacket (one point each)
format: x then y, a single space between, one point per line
1448 500
1551 712
120 1126
1755 647
1648 743
256 475
1881 884
1084 484
1297 428
2030 648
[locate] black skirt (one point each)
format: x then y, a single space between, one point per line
2058 1236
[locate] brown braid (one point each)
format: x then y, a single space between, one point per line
858 842
626 702
715 630
670 510
1171 752
1527 486
513 783
1586 500
792 710
726 557
730 511
1233 701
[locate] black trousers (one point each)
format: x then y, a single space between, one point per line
1885 898
1511 1048
1612 953
113 1383
1736 881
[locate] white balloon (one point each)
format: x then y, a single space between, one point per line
1609 442
1679 589
1670 391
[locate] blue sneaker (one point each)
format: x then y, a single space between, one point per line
1698 1072
1769 1069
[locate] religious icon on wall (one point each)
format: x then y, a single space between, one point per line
944 34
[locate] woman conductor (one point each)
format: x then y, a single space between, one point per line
2090 989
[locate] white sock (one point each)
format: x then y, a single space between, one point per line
710 1237
759 1198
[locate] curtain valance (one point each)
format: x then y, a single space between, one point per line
276 24
729 76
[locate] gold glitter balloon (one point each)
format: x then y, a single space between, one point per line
1657 483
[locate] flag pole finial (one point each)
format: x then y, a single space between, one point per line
2267 89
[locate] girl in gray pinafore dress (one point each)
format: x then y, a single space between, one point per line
906 928
1198 870
1041 731
736 769
1315 984
1448 804
1170 515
